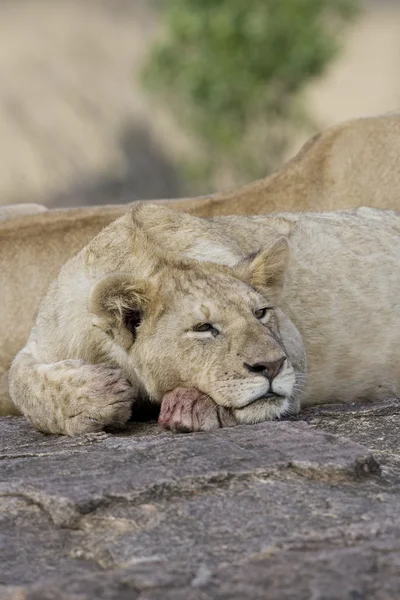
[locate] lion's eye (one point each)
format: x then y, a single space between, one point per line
261 312
203 327
206 327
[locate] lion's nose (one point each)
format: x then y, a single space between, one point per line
269 369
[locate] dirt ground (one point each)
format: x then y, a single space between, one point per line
366 78
73 119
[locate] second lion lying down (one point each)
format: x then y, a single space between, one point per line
230 306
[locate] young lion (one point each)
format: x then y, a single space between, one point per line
138 312
351 164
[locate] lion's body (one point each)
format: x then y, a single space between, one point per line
355 163
340 289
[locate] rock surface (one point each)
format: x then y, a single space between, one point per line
307 508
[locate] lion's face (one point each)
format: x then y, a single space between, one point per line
223 338
205 327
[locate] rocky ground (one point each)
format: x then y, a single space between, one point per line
301 509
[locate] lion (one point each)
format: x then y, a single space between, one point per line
352 164
261 315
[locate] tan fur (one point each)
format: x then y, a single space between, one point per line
333 277
352 164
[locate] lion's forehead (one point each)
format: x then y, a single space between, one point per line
217 287
217 307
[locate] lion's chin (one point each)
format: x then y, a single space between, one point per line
266 408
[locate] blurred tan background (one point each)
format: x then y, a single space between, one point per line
76 126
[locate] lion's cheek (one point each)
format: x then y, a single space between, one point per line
160 373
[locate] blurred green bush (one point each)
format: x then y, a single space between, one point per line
231 71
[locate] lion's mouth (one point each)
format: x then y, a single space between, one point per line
265 397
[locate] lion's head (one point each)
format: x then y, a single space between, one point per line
216 328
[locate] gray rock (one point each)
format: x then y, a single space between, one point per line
296 509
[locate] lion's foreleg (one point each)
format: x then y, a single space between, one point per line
71 396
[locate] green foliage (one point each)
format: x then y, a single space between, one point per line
232 70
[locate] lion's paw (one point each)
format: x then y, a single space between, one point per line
186 409
100 397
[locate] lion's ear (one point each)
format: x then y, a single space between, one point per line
118 303
267 267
